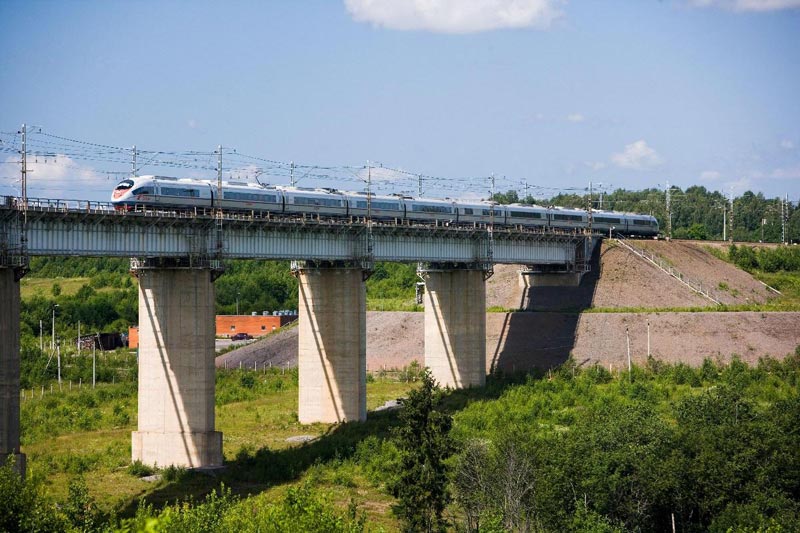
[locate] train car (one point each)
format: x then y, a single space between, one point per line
478 213
564 218
324 202
378 207
161 191
608 221
427 210
526 215
249 196
641 225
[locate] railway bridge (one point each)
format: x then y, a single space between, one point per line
177 256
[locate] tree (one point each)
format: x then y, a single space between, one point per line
423 439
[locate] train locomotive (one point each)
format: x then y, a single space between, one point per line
183 193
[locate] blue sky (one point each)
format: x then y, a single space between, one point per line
554 93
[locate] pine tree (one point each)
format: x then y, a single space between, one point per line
424 441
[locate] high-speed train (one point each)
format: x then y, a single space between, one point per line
183 193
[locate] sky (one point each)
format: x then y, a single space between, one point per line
548 94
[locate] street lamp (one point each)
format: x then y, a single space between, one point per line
53 338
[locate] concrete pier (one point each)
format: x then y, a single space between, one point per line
455 326
176 369
9 369
332 350
529 279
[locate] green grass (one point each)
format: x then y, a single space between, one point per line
88 432
393 304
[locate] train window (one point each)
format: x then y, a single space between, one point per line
249 196
124 185
574 218
641 222
467 210
608 220
362 204
187 193
524 214
143 190
326 202
431 208
490 212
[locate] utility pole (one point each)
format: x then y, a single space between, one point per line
730 218
53 338
291 172
648 339
133 161
628 340
41 337
25 169
369 192
526 190
79 338
219 174
784 218
419 185
724 222
94 362
589 210
669 213
58 356
491 179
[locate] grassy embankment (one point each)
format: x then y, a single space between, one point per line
88 433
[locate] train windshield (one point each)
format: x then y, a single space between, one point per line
124 185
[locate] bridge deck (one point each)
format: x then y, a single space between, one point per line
72 228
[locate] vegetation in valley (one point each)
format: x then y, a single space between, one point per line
713 448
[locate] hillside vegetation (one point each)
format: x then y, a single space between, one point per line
714 448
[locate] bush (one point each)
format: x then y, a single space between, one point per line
23 506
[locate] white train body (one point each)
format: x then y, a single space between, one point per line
174 193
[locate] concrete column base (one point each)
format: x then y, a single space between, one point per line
332 345
455 327
533 279
176 369
9 369
181 449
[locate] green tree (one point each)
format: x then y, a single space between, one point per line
424 442
698 232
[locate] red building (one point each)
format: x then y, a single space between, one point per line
229 325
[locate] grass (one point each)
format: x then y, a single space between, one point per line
256 412
30 287
393 304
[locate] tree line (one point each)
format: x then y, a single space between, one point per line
697 213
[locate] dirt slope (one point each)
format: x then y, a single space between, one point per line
729 284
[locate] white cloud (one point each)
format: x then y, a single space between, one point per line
788 173
637 156
595 165
786 144
192 123
455 16
59 176
748 5
739 186
575 117
710 175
